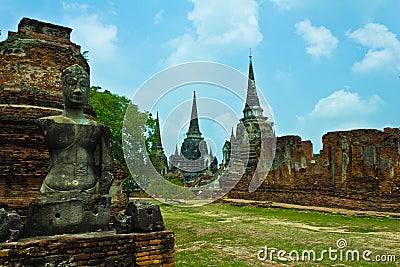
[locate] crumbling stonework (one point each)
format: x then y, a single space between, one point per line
119 200
356 169
194 160
292 157
288 170
31 62
362 160
30 88
91 249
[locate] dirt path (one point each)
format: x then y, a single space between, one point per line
238 202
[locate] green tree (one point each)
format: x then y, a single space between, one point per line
130 185
124 118
110 110
151 142
150 132
135 138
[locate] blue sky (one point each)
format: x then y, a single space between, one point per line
321 65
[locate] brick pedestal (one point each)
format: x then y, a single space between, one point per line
91 249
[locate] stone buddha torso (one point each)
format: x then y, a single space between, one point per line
74 196
74 154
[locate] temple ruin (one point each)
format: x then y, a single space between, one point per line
194 159
32 60
357 169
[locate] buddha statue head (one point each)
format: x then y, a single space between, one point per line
75 87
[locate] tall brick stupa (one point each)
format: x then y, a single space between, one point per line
31 62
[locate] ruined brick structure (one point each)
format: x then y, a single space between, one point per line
251 151
31 61
157 155
356 169
195 162
92 249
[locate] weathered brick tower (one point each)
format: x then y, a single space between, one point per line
31 64
252 147
256 125
31 61
357 169
194 161
157 155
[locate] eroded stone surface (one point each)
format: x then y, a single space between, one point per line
355 169
53 214
31 62
91 249
144 216
74 195
11 226
123 223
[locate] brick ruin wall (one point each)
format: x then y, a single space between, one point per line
91 249
31 62
357 169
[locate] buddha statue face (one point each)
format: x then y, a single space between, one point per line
75 87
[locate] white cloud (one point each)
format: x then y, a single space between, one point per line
340 111
219 26
289 4
74 7
284 4
343 103
320 41
158 17
94 36
383 48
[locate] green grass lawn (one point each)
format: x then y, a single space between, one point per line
225 235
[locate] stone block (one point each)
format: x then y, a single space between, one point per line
49 29
123 223
53 215
11 226
146 216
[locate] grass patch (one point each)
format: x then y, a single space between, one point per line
225 235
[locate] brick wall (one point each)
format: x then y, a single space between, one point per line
357 169
92 249
363 160
31 63
118 199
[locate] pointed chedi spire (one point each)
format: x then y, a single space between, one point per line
157 134
252 106
251 72
194 130
157 156
232 137
176 150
